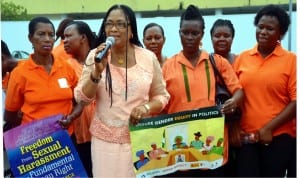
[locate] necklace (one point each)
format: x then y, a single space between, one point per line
120 61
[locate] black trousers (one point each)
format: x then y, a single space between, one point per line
292 168
84 151
258 160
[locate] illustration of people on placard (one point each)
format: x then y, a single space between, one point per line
142 159
218 149
197 143
156 153
178 143
208 144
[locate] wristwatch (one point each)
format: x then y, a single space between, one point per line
95 80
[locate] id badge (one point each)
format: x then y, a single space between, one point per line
63 83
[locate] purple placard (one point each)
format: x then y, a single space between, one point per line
42 149
29 132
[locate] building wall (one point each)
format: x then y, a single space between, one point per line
48 7
243 24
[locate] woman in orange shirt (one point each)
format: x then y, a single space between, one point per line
187 75
78 41
59 50
154 40
222 34
267 73
8 64
43 85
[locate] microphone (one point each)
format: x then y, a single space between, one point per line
109 42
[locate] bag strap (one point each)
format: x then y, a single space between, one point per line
216 71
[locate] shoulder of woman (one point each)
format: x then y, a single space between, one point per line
23 64
90 57
219 59
143 51
144 57
221 62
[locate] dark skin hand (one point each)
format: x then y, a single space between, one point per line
67 120
288 113
14 118
231 104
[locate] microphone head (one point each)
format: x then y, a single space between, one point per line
110 40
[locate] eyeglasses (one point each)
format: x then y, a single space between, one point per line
186 33
118 25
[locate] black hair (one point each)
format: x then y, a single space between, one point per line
4 49
61 28
130 17
8 62
221 23
83 28
153 25
275 11
192 13
33 23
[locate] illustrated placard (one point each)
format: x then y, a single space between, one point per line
42 149
181 141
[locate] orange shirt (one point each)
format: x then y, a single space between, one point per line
269 86
83 122
60 52
39 94
5 81
6 77
201 82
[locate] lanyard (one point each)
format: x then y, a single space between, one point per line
186 81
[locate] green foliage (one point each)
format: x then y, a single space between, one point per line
11 11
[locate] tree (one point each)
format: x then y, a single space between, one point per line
11 11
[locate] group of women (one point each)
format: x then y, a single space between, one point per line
131 83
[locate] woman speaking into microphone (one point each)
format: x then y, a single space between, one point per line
127 84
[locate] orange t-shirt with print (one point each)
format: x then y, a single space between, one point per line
39 94
201 84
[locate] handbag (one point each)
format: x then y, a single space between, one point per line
231 119
223 94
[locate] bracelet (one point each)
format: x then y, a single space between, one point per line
95 80
147 107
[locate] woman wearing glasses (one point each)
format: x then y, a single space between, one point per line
191 83
127 85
